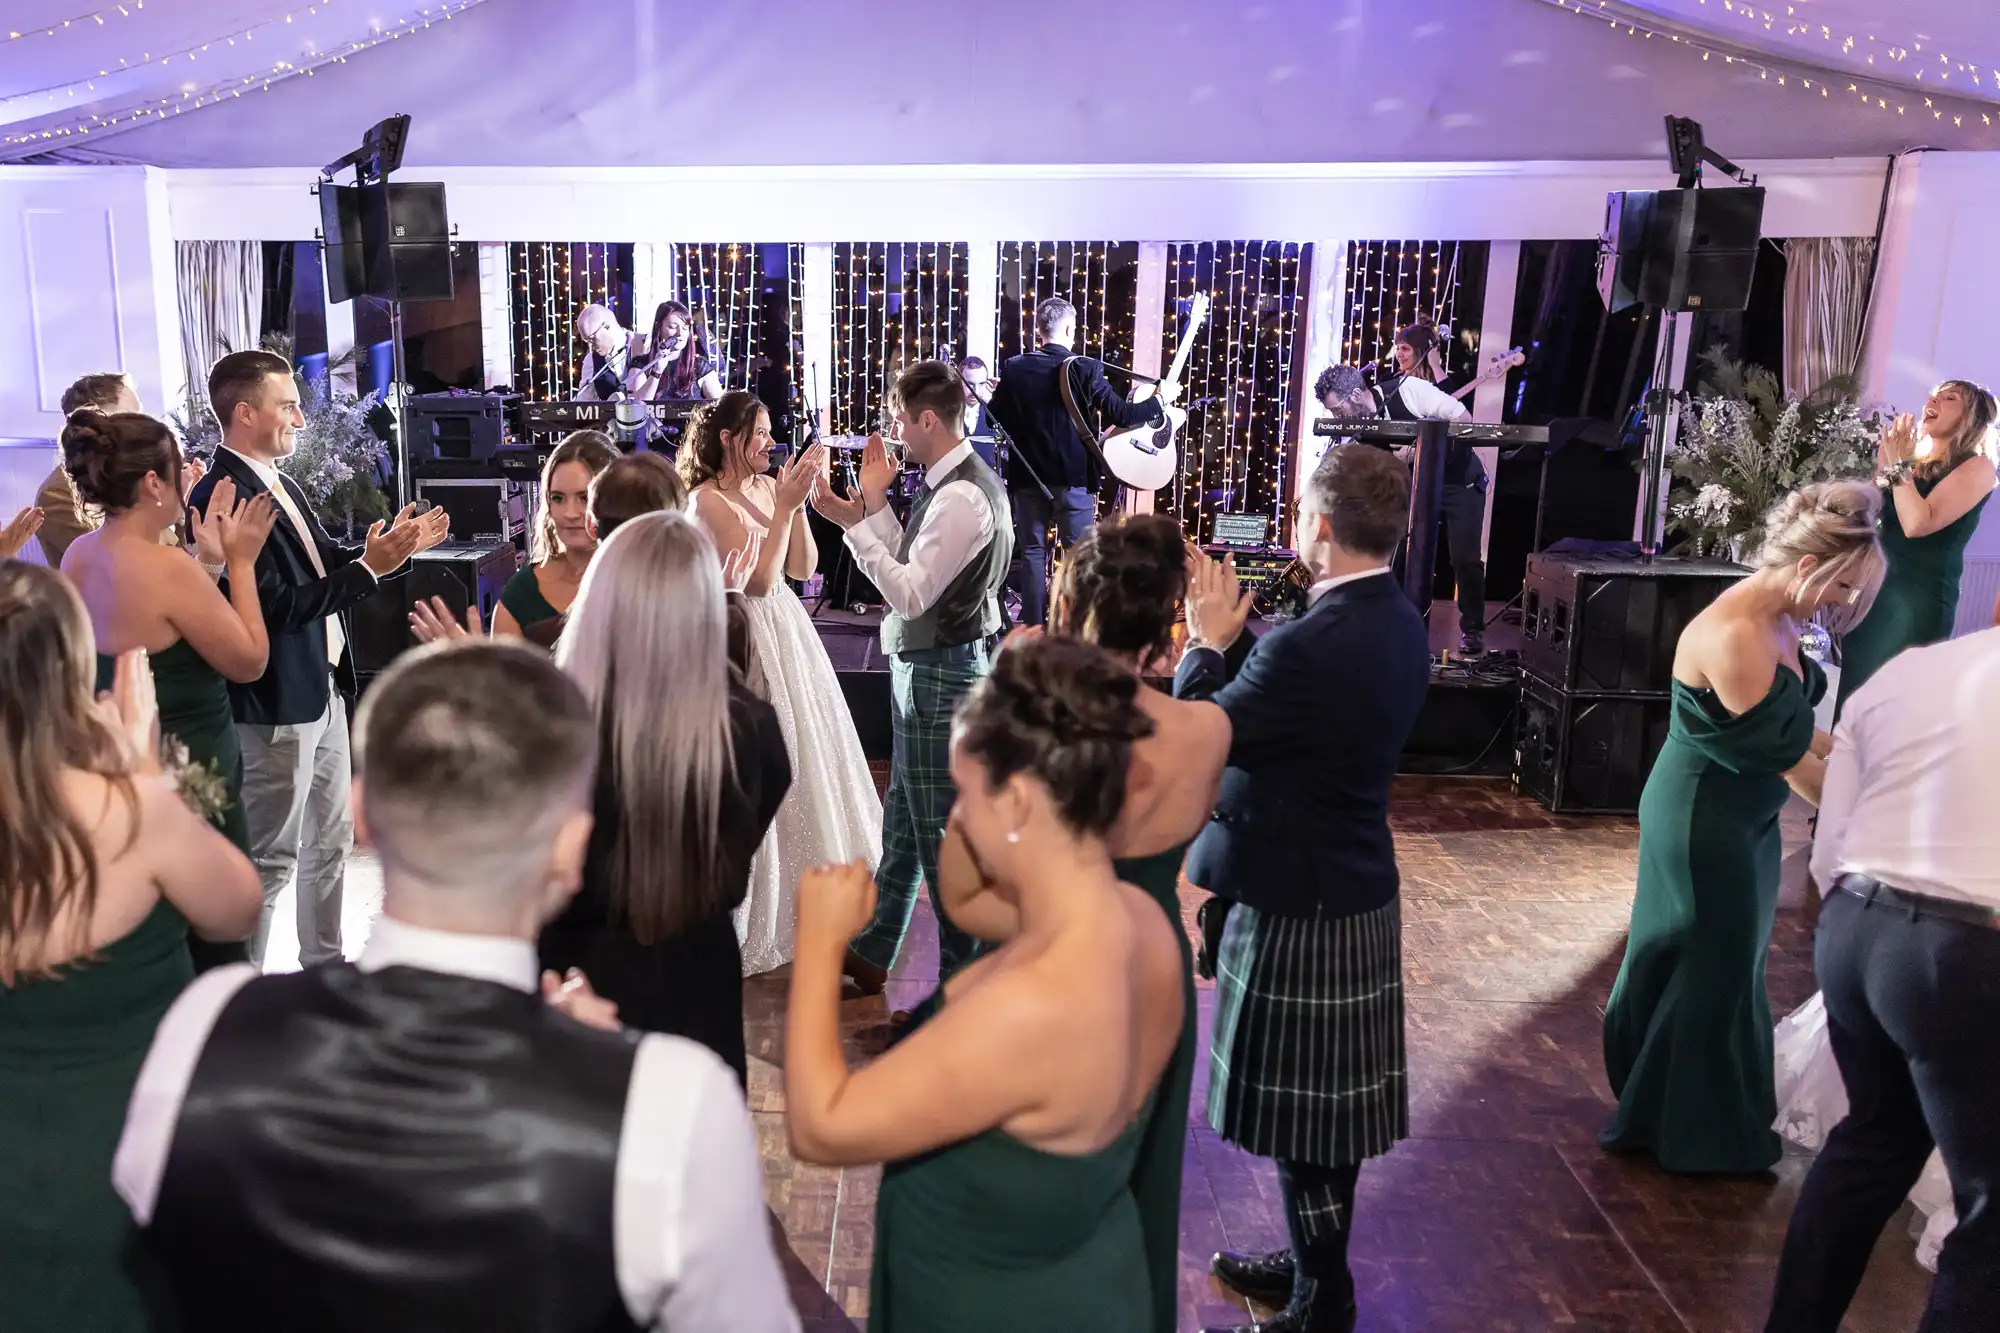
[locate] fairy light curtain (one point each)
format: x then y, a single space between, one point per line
548 283
1393 284
1099 278
731 287
894 303
1241 388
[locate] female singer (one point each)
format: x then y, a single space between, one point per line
1687 1031
1936 477
678 365
561 545
1031 1088
685 793
833 814
142 595
103 872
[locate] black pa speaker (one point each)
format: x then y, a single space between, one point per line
1606 624
1582 755
1680 249
391 240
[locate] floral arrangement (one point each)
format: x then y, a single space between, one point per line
1744 445
201 786
339 455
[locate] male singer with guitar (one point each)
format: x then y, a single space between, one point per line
1413 397
1052 471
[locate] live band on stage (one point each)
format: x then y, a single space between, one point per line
1069 445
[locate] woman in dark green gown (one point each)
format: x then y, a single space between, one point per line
1687 1030
1012 1117
141 594
1930 510
561 543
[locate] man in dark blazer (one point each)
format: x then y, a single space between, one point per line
292 720
1053 472
1306 1062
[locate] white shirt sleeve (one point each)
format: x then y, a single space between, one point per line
1840 793
1430 402
957 525
692 1234
155 1108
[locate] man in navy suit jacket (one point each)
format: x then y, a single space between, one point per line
292 720
1306 1064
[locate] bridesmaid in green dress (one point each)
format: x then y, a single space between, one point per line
1011 1119
1930 512
141 594
102 872
562 543
1687 1030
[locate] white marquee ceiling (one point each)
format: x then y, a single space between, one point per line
772 82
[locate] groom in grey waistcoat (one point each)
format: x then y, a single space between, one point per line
941 573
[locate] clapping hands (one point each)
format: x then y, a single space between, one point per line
797 478
836 903
1899 441
431 622
232 530
131 711
1217 606
388 547
14 536
572 995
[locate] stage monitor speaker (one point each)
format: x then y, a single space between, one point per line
1581 755
463 574
458 427
1606 624
1680 249
389 240
1621 252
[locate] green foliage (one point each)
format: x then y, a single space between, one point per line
338 455
1744 445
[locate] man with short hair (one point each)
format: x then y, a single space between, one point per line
1908 960
602 376
1306 1065
1053 472
64 516
979 407
941 573
421 1140
292 720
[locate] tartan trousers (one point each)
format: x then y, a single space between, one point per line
923 696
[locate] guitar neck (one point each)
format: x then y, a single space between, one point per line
1173 375
1493 372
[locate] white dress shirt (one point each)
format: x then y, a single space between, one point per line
693 1246
336 637
1430 403
1909 787
955 528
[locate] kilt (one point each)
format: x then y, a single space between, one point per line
1307 1061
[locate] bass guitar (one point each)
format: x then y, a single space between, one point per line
1501 365
1146 457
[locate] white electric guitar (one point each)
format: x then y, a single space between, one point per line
1501 365
1146 457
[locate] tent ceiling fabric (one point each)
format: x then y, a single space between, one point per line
621 83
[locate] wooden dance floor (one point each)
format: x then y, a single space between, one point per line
1500 1214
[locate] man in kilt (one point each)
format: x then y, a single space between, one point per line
940 571
1306 1063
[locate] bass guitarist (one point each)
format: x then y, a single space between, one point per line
1052 471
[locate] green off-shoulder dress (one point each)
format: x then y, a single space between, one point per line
1918 602
1687 1031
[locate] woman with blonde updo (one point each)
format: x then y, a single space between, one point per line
1936 473
1687 1031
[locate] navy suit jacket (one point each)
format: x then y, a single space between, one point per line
296 602
1028 402
1321 708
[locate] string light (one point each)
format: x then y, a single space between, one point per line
95 18
193 98
872 344
1599 10
1912 52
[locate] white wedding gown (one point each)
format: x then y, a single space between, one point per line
832 812
1812 1100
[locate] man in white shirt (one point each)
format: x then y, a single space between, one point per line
421 1140
941 573
1908 959
292 721
602 378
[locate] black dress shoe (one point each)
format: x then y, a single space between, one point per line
1294 1319
1265 1278
868 978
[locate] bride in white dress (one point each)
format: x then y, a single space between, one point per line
1812 1100
832 812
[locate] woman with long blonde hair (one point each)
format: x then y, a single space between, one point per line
1936 472
103 872
1687 1030
685 792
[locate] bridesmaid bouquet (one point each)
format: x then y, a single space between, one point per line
1745 444
201 786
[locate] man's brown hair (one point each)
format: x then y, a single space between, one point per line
1365 494
240 377
933 386
99 391
634 484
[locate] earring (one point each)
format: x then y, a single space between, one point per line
1013 835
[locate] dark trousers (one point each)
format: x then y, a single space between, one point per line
1319 1214
1072 512
1913 1013
1464 519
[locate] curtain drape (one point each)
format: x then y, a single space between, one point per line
1826 302
222 303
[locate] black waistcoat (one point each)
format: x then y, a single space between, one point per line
1458 457
396 1151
